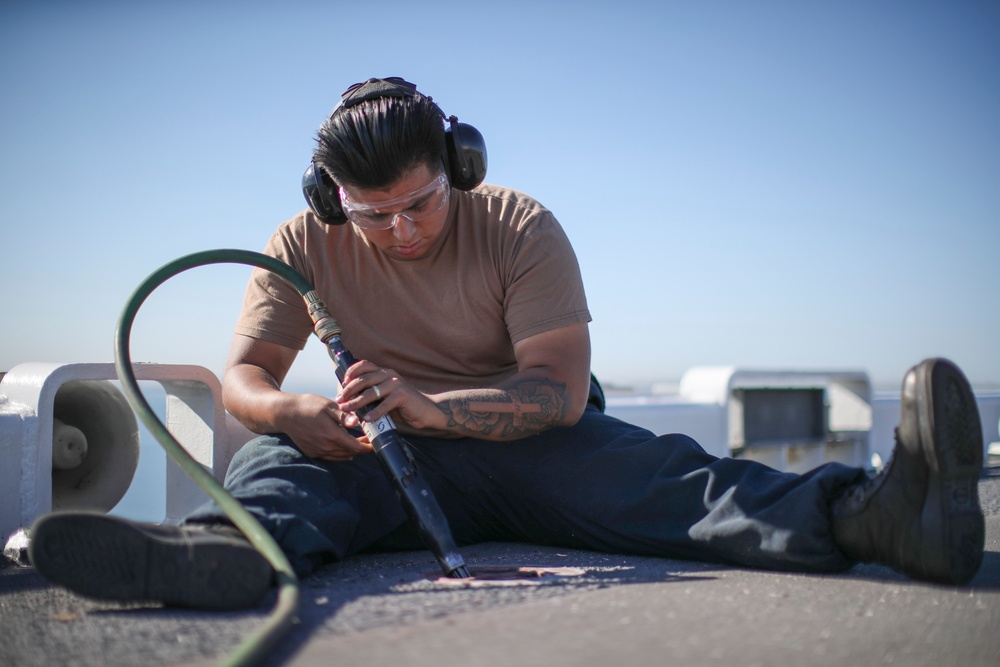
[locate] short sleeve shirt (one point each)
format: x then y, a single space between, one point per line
503 271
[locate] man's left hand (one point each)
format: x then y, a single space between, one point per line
365 384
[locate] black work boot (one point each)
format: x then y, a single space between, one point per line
105 557
921 514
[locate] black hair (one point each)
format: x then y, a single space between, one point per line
374 143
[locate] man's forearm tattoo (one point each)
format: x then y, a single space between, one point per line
520 409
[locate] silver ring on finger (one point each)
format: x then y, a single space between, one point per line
378 392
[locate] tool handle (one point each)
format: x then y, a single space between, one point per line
397 461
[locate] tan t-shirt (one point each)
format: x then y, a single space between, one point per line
503 270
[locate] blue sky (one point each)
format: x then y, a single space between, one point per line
765 184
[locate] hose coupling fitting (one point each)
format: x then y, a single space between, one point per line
323 323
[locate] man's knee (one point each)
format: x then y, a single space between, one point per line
262 452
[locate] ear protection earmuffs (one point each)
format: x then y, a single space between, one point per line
464 151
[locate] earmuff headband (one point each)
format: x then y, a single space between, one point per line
465 150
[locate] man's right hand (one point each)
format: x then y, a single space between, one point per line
317 426
251 391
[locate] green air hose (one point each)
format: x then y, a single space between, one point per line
257 646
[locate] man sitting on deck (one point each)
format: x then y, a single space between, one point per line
466 306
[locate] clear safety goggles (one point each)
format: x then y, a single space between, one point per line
418 205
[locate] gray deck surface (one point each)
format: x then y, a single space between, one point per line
598 609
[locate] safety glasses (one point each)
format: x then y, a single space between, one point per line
416 206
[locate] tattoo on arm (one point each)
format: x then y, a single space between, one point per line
523 408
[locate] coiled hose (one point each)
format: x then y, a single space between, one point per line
256 647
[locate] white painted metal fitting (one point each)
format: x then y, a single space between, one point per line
76 405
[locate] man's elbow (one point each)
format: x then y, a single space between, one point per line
572 417
576 404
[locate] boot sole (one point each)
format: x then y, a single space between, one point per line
952 444
108 558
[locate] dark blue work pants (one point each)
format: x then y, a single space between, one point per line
602 484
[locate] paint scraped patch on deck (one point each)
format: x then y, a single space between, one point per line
507 575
